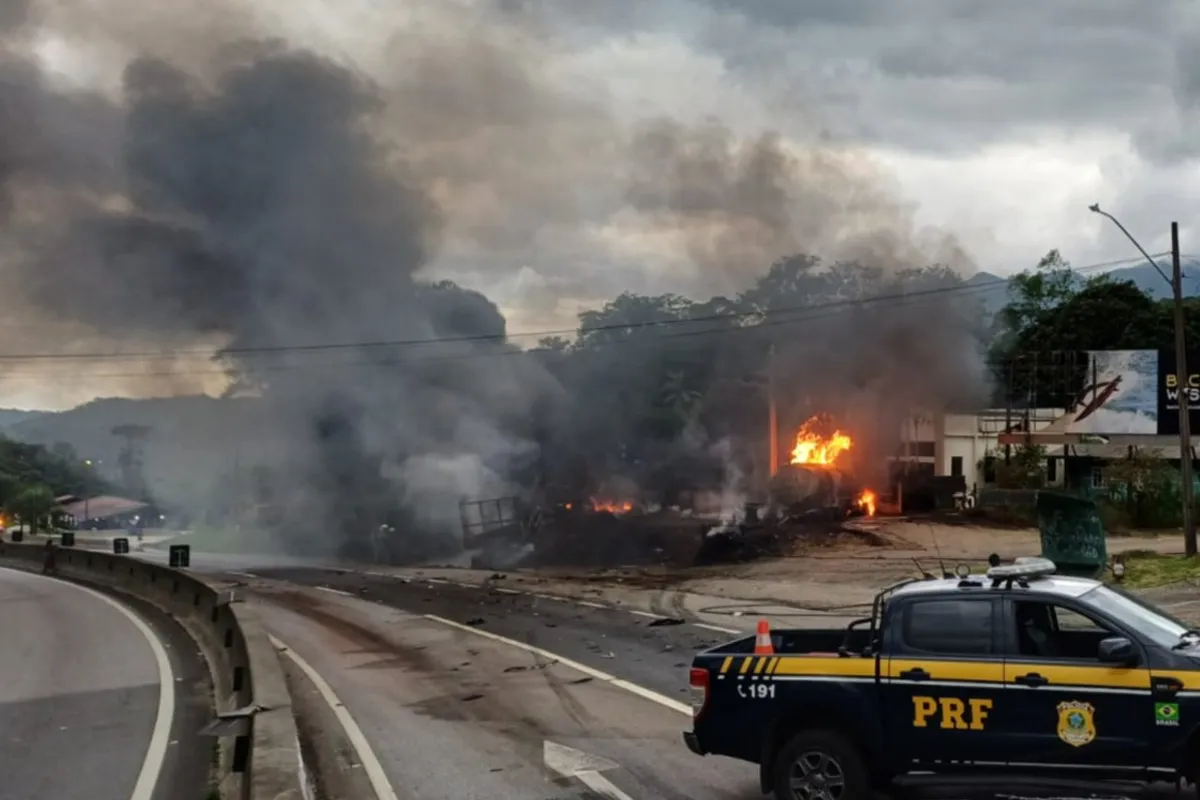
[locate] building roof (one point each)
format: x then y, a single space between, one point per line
101 507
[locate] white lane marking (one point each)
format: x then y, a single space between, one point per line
590 604
156 751
507 591
716 628
549 597
591 672
244 574
646 614
572 763
305 784
437 580
366 756
602 786
331 590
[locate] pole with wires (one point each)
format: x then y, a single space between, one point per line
1184 380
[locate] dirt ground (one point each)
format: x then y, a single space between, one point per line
845 570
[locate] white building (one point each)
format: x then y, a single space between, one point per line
956 443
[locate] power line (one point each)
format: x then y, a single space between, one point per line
805 314
963 287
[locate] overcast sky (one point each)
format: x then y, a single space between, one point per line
998 122
571 144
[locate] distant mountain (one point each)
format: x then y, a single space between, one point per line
193 441
992 290
14 416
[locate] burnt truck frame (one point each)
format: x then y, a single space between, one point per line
1046 680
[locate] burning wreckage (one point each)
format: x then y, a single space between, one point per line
812 494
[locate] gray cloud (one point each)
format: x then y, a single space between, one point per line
939 76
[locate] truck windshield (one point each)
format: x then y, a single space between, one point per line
1158 625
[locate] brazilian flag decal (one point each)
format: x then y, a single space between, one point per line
1166 713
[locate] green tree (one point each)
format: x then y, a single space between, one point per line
1025 469
1053 316
1033 294
33 504
1143 491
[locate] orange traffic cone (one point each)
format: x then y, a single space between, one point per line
762 640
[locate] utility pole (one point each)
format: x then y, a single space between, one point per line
1184 384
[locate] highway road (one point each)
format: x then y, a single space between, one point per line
467 691
450 712
99 700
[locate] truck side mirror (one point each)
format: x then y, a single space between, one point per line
1117 650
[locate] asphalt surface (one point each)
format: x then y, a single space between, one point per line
79 698
451 714
634 647
437 744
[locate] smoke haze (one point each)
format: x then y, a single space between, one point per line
249 184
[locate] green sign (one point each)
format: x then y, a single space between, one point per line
1166 713
1072 533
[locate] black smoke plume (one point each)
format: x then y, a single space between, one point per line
258 202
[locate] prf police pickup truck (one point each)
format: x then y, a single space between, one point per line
1018 676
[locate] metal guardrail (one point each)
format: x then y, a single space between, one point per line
254 723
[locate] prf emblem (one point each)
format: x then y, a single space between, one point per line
1076 722
952 713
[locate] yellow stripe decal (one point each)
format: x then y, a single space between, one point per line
966 671
829 666
1099 675
958 671
1191 680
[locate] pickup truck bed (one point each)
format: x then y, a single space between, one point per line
749 697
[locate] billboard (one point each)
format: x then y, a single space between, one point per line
1132 392
1169 387
1122 394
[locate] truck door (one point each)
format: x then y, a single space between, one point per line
1064 707
942 678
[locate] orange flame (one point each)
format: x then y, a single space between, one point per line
814 448
866 501
612 506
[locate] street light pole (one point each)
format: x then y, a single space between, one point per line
1183 381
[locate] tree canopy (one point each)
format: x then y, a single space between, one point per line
30 473
1054 311
657 384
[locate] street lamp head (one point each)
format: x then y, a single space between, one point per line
1094 207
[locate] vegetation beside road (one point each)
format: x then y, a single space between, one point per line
31 476
1146 569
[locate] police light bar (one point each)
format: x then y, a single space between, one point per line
1024 567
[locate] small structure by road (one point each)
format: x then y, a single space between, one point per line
100 513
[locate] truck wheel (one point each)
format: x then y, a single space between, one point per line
820 765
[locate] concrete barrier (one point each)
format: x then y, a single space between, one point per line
255 725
